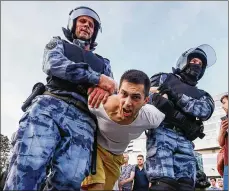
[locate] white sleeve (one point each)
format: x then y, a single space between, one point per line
153 115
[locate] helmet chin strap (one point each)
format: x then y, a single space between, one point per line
81 43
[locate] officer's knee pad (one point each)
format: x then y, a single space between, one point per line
186 184
163 184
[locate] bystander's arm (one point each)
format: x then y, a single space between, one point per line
222 133
131 178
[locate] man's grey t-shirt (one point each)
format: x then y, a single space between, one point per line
115 137
125 173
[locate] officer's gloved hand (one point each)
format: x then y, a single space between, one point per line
201 180
166 89
193 129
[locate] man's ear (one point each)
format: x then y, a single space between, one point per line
146 100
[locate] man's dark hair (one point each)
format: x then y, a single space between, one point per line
224 96
140 156
213 179
136 77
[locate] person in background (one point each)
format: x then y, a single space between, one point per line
127 175
220 183
223 139
141 182
213 184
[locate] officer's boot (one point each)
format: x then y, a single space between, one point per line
185 184
163 184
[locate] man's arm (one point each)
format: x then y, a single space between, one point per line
153 115
55 63
191 128
158 79
107 69
97 94
202 108
130 179
222 133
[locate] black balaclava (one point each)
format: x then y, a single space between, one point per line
193 72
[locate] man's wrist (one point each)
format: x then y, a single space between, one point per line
94 78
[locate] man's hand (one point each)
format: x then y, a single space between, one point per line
96 96
154 89
121 183
107 83
224 125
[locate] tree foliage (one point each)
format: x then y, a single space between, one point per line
5 150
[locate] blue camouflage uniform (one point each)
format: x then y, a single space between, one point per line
169 152
54 132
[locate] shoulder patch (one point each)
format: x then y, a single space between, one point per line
52 44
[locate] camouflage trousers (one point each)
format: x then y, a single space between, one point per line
54 133
169 154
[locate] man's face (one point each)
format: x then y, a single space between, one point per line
84 27
220 183
140 161
126 158
132 98
225 104
212 182
196 61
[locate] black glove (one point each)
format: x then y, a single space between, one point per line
161 103
201 180
166 89
193 129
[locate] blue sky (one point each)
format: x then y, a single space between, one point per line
149 36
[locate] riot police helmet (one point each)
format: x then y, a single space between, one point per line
76 13
204 52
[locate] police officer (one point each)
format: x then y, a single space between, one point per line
170 163
56 128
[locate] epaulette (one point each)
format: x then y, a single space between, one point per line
57 37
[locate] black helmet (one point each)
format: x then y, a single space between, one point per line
204 52
82 11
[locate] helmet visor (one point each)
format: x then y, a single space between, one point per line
209 51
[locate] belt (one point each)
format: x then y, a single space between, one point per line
70 100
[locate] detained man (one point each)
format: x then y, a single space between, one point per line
122 118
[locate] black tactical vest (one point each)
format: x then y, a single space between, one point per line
183 88
76 54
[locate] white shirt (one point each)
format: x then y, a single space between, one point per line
115 137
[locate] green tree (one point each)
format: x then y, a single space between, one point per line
5 150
